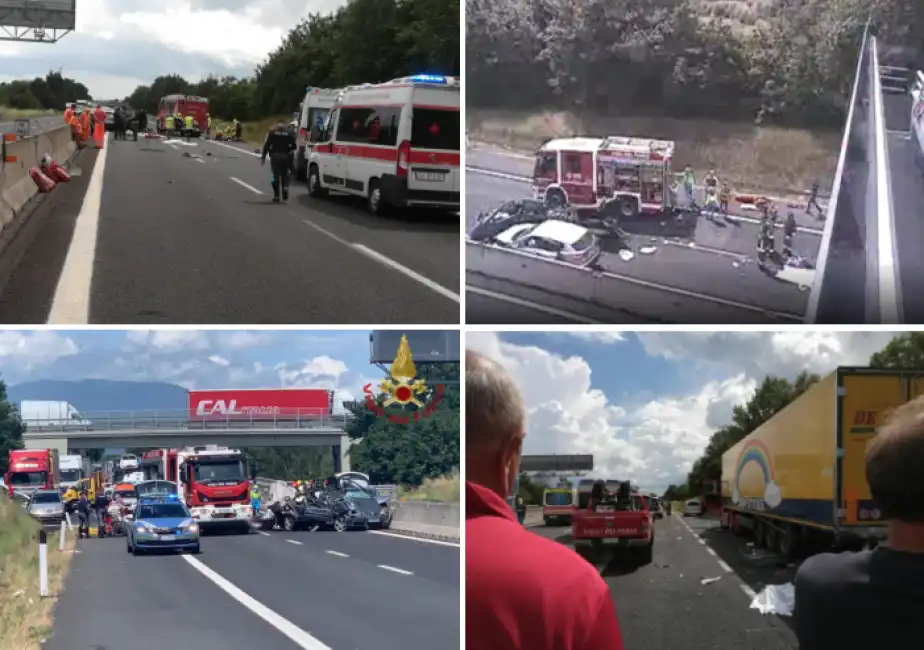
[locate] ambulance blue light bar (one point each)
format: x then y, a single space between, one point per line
429 78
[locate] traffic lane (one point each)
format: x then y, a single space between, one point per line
493 301
735 552
665 605
436 562
179 242
486 191
719 275
31 264
345 602
426 241
907 199
114 600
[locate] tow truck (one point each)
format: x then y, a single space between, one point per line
211 480
613 523
611 177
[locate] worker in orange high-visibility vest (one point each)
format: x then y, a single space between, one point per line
76 131
69 112
99 130
86 121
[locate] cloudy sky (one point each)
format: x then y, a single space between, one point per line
194 359
122 44
646 404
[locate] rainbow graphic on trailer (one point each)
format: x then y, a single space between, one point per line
754 451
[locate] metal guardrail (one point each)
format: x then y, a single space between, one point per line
186 420
859 276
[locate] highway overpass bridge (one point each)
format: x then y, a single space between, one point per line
167 429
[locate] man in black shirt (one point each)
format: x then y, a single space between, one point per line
279 145
872 599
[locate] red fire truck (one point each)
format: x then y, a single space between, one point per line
212 480
623 176
31 470
183 105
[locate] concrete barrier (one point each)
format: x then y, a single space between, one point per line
428 518
16 186
620 293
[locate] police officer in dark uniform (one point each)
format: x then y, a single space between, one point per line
279 146
789 231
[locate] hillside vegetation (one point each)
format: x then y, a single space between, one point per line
366 41
748 86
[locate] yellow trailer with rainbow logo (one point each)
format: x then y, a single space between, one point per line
800 478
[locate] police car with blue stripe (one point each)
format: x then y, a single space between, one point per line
162 522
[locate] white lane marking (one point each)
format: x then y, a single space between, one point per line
337 553
725 567
71 302
199 160
414 539
265 534
243 184
711 552
300 637
747 591
233 148
395 570
414 275
513 300
292 541
387 261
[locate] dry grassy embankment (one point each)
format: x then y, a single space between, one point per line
444 488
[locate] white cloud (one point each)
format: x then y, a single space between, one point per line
33 349
219 361
610 336
169 340
320 372
243 339
656 442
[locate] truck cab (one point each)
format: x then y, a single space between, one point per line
613 523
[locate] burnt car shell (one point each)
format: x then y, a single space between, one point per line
491 223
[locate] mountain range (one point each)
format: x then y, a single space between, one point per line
94 395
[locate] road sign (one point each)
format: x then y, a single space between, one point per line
22 128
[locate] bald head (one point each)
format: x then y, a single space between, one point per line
494 412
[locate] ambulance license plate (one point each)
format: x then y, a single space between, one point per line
430 177
168 538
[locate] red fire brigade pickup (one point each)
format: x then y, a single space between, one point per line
612 522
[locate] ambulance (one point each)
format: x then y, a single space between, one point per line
314 111
620 175
394 144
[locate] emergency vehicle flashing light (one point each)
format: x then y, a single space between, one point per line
429 78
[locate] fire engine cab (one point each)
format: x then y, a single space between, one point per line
184 105
613 175
212 480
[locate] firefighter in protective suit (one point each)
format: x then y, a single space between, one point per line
766 245
280 145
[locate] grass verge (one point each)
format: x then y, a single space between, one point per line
25 617
769 159
8 114
444 488
254 132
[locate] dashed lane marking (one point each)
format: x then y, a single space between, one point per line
249 187
292 541
425 540
337 553
395 570
724 565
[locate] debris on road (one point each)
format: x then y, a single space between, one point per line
759 557
709 581
776 599
626 255
648 250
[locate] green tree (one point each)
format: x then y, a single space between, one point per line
401 446
905 351
11 429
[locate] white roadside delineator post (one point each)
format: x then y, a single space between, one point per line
43 563
61 535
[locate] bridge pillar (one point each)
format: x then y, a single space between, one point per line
341 455
47 443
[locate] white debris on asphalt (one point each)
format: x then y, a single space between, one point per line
709 581
776 599
647 250
626 255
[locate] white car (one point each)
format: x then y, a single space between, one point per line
693 507
128 462
553 239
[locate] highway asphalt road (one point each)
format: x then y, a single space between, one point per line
715 258
665 605
37 124
314 591
147 235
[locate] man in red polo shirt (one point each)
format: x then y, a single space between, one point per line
522 592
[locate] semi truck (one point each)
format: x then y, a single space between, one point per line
798 482
290 404
39 414
31 470
71 470
212 480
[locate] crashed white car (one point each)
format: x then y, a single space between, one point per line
553 239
